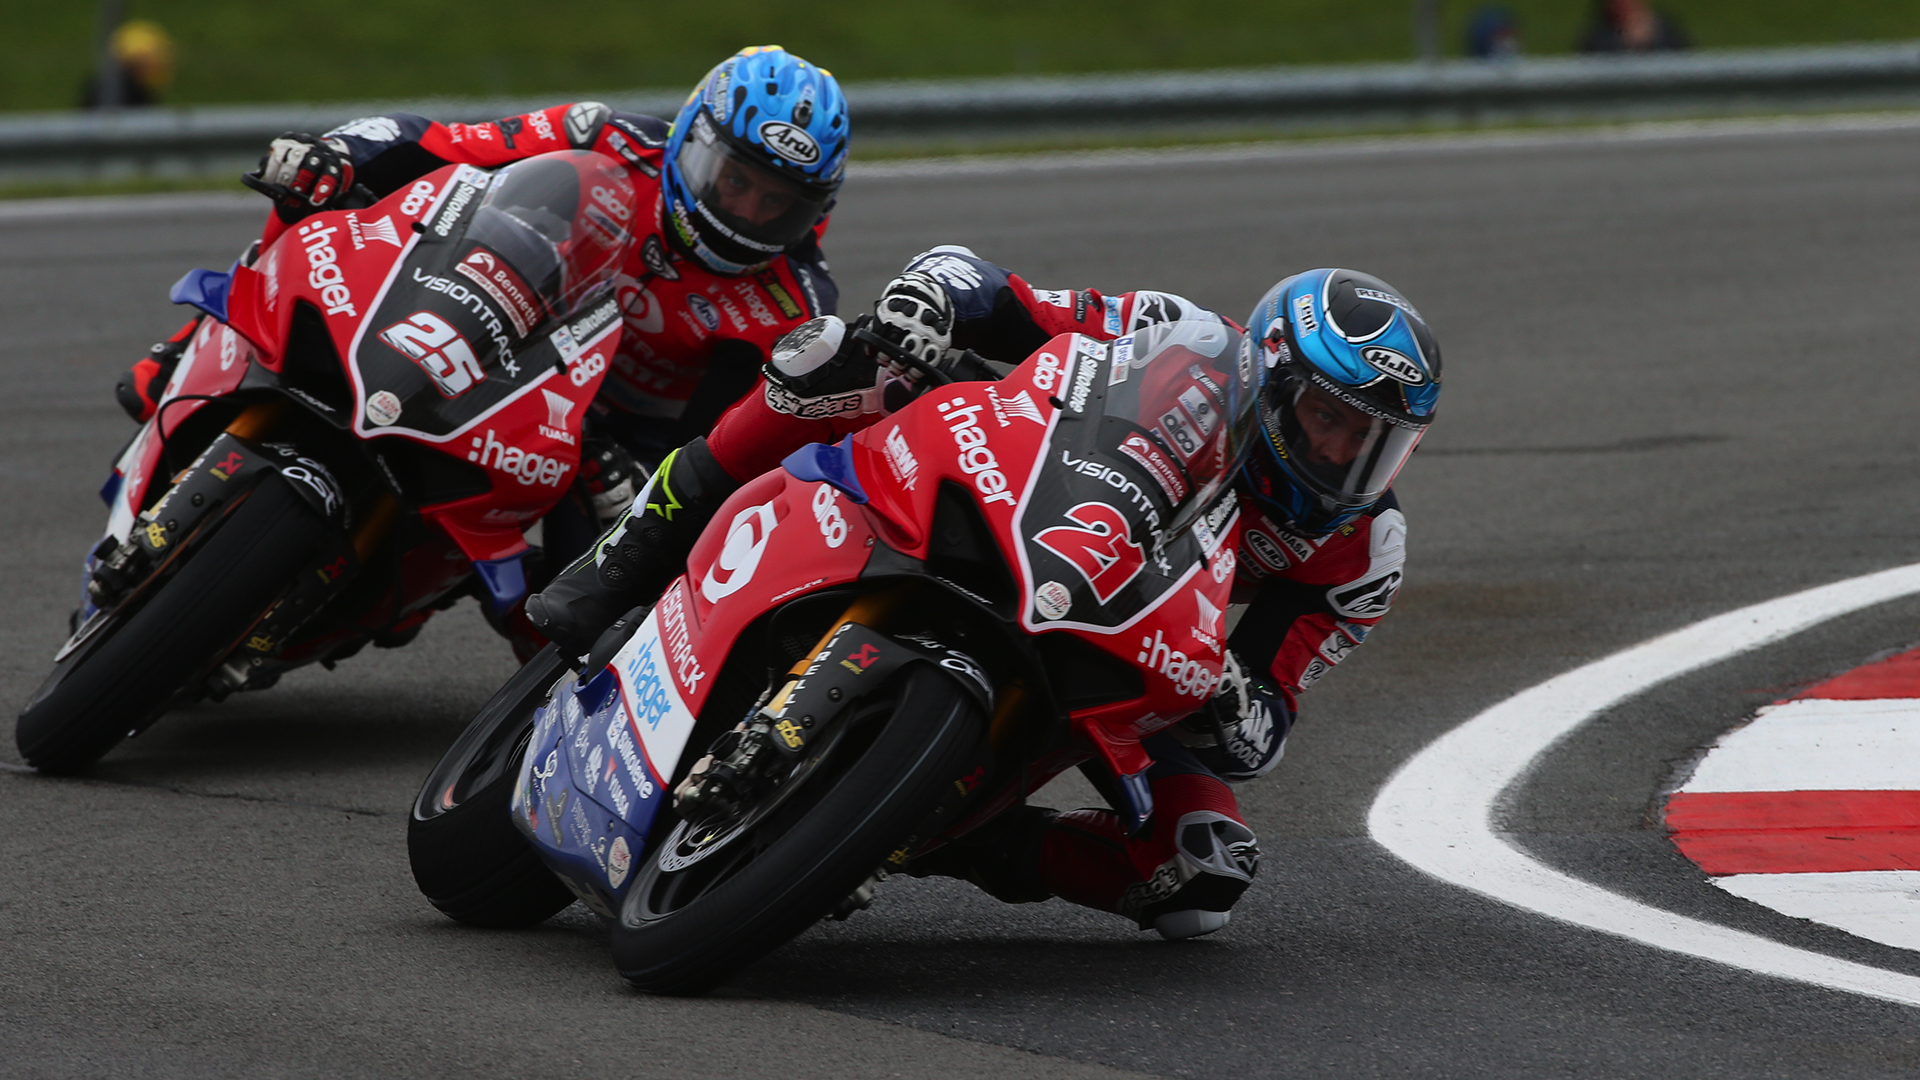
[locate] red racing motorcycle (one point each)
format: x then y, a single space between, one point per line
874 650
374 406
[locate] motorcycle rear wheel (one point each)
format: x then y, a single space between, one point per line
467 857
133 667
683 931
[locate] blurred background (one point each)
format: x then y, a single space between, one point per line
243 51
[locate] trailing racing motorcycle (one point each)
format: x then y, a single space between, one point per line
375 404
1000 581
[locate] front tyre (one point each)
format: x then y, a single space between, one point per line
682 931
132 667
467 857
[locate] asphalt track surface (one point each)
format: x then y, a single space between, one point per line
1681 379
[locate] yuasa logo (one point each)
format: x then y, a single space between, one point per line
976 459
559 407
1020 405
1097 545
433 343
1191 677
790 142
323 269
523 465
380 229
740 555
1206 621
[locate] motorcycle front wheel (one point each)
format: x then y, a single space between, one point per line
467 857
154 647
686 926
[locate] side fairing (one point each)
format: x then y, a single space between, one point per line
1077 523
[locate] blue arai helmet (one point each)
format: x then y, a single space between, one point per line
754 159
1353 376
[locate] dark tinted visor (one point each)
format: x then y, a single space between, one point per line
744 200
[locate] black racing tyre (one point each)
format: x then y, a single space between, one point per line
467 857
684 931
151 650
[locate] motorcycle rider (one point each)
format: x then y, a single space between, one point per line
1351 381
737 188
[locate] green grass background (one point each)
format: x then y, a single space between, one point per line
260 51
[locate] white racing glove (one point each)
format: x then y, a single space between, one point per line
1241 733
915 313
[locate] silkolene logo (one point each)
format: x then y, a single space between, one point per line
431 342
523 465
1097 546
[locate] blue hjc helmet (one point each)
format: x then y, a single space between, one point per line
1353 376
754 159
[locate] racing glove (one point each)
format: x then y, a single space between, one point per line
610 477
821 370
915 313
303 173
1241 732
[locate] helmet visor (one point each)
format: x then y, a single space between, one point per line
745 201
1346 455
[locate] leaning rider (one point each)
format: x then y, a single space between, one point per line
739 186
1351 380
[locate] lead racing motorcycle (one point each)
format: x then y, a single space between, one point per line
874 650
375 404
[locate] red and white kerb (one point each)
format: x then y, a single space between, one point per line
1813 809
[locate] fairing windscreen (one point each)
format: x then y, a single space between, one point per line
1181 406
561 222
745 201
1348 456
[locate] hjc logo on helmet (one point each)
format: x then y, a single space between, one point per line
1393 365
790 142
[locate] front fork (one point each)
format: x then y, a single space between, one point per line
224 474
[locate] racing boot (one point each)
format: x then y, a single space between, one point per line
1002 857
635 559
138 391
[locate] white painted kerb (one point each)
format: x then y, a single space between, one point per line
1436 811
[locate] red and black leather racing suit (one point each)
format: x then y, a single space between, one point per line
1311 600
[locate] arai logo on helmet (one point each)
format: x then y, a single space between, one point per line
790 142
1393 365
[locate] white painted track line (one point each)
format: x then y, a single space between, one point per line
1436 811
